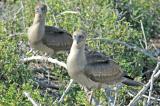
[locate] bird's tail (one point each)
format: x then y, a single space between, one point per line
131 82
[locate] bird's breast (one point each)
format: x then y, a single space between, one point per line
75 64
36 32
41 47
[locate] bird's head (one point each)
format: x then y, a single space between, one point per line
40 9
79 37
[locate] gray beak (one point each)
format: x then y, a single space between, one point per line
39 11
78 40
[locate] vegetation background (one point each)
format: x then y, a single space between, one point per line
121 20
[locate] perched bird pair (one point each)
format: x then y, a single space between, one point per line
90 69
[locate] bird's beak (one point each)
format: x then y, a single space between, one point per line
78 40
38 11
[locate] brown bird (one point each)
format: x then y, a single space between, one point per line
48 39
92 69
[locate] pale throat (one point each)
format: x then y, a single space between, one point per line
76 59
39 19
77 51
78 47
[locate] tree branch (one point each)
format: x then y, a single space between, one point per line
145 87
30 99
151 84
43 58
133 94
144 36
68 12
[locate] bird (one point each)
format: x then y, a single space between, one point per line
93 69
48 39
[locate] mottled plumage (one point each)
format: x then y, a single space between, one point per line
93 69
47 38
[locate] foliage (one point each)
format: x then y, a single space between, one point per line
111 19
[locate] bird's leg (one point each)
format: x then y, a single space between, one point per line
116 94
116 88
91 99
89 94
108 93
66 90
115 97
112 100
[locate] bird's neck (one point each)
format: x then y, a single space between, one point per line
39 19
77 54
77 50
37 30
76 60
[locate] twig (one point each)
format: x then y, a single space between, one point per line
153 98
145 87
18 11
131 46
30 99
115 97
66 90
116 88
55 20
151 85
68 12
108 95
43 58
145 41
92 100
23 16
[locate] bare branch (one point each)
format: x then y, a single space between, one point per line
66 90
92 100
145 41
42 58
145 87
68 12
153 98
30 99
151 85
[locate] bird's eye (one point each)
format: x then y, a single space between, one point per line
81 37
42 8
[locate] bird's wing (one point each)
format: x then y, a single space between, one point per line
56 38
94 56
103 71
